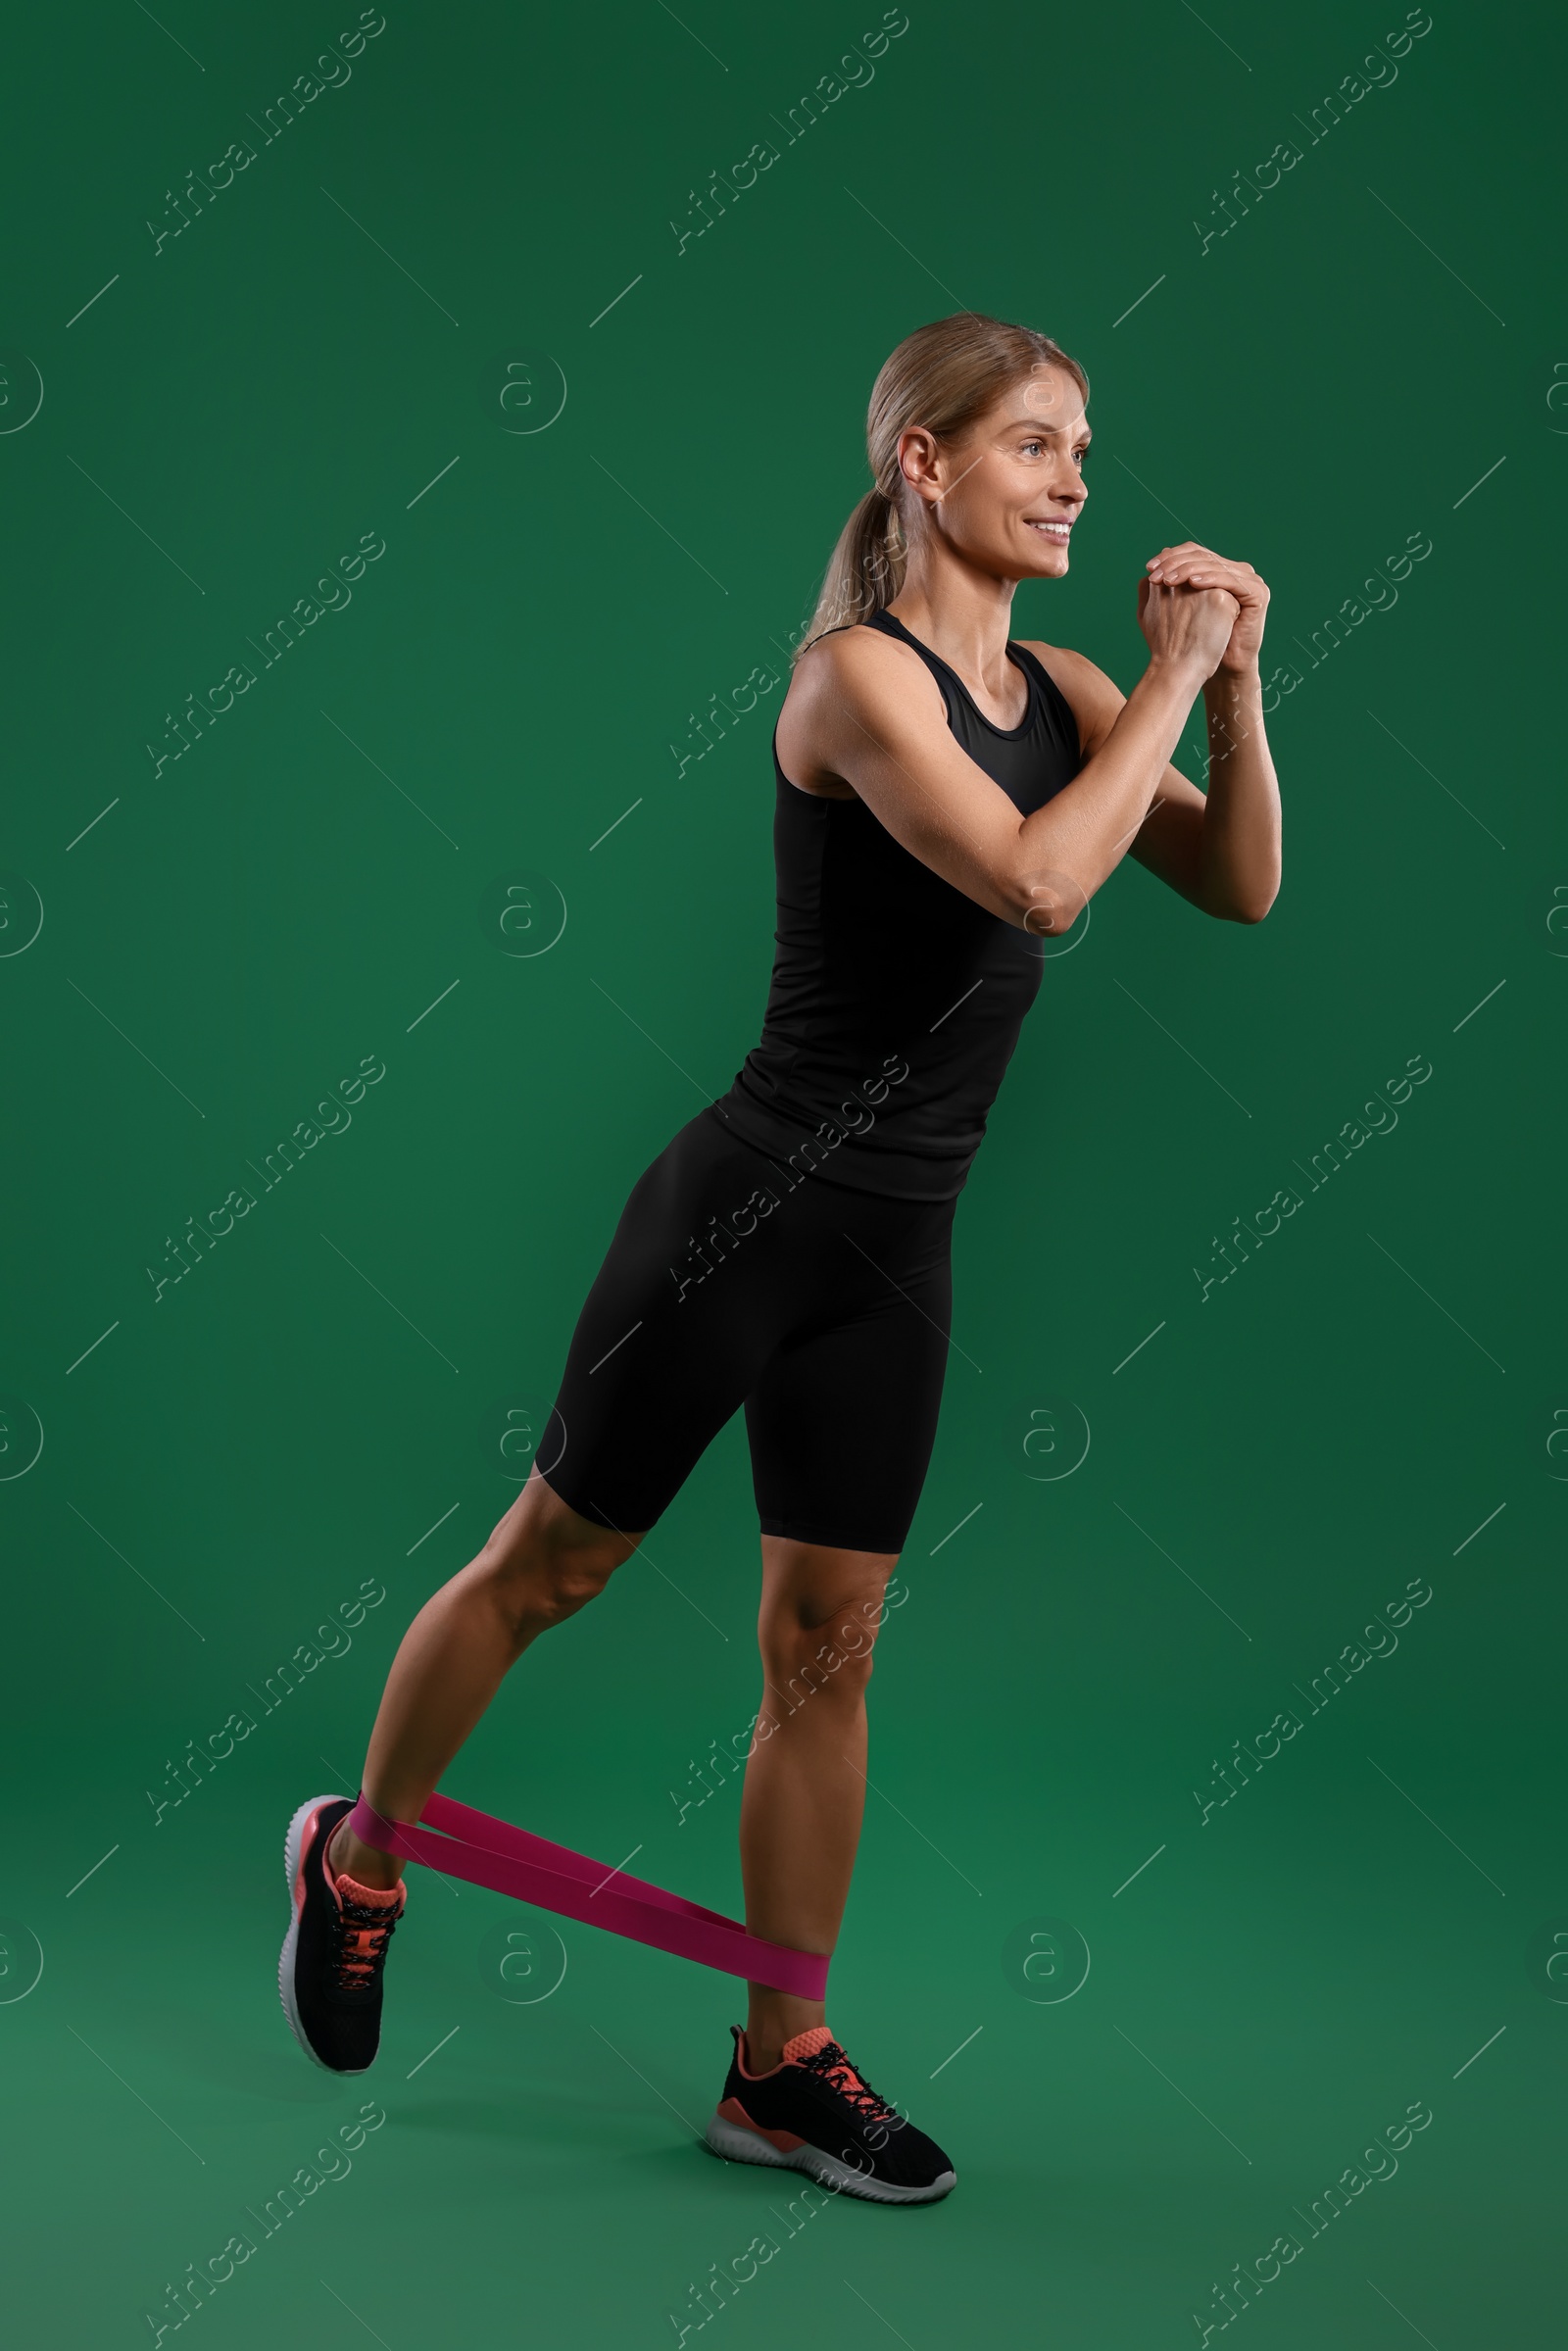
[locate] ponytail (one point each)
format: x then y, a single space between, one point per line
865 570
942 376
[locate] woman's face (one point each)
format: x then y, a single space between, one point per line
1007 495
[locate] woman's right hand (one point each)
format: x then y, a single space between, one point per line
1186 628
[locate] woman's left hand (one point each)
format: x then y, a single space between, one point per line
1192 566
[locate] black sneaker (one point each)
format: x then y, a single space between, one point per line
329 1973
815 2113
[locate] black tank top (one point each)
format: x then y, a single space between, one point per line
896 1001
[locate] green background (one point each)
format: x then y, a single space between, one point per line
329 1385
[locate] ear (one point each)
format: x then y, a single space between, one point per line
921 462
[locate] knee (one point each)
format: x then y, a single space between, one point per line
540 1585
835 1656
540 1567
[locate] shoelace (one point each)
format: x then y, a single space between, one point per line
362 1936
834 2067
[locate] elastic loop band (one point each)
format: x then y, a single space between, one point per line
484 1851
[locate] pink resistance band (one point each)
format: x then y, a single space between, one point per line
511 1861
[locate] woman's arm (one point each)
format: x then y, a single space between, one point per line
1221 853
864 709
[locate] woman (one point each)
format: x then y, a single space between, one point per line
944 799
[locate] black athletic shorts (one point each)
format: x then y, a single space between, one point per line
733 1280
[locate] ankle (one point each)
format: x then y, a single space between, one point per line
768 2031
347 1857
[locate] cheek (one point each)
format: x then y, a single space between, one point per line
1017 493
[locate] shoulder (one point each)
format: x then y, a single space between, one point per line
861 670
849 688
1094 699
848 655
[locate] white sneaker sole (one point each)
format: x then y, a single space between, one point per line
738 2145
285 1963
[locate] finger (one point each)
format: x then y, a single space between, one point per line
1172 563
1177 556
1204 575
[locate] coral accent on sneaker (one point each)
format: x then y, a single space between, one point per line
832 2064
368 1914
376 1898
786 2141
806 2044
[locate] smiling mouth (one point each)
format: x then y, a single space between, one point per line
1058 531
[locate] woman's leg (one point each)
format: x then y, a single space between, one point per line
841 1424
540 1565
661 1356
805 1787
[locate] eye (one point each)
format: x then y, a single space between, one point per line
1032 445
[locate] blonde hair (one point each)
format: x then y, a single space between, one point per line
944 376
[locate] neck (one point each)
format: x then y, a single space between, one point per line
963 613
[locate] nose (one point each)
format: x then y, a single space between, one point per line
1068 486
